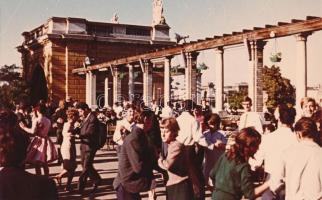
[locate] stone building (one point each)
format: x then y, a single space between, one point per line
51 51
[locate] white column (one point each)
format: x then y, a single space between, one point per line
87 90
167 84
66 72
116 85
187 77
219 80
301 69
106 103
92 90
147 82
131 82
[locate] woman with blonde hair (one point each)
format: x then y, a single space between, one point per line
178 186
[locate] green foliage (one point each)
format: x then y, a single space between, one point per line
236 99
278 88
13 88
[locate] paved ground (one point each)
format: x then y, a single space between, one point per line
106 164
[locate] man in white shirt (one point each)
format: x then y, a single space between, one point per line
190 135
249 118
167 111
123 127
118 110
273 144
301 165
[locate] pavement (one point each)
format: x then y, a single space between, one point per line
107 166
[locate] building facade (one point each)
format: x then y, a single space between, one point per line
51 51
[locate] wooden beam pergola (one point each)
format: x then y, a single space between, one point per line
282 29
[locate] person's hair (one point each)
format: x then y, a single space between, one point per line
129 105
286 114
71 112
308 128
214 119
13 145
306 100
246 138
171 124
82 105
317 117
42 109
188 105
247 99
62 104
139 116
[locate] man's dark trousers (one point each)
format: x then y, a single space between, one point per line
87 159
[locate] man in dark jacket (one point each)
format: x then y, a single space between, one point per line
135 166
89 137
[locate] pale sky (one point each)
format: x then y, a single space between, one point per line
196 18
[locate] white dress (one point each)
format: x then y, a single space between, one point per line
68 149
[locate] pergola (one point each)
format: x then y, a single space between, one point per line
254 41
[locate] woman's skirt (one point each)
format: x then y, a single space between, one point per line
180 191
41 150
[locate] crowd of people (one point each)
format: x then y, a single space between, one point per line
185 143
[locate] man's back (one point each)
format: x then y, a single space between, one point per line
301 164
16 184
135 166
273 145
89 132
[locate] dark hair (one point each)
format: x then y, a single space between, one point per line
129 105
214 119
42 108
188 105
286 114
308 128
247 99
13 144
82 105
246 138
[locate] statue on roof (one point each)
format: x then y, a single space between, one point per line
158 17
115 18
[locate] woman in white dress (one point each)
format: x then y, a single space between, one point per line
68 149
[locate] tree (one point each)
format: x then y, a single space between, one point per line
13 88
236 99
278 88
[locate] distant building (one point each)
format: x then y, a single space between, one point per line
52 50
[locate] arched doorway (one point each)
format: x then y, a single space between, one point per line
38 85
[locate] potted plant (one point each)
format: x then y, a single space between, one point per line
201 67
136 74
277 57
121 75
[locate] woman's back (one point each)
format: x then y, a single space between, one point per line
43 126
232 180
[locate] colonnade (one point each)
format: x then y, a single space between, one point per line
255 86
